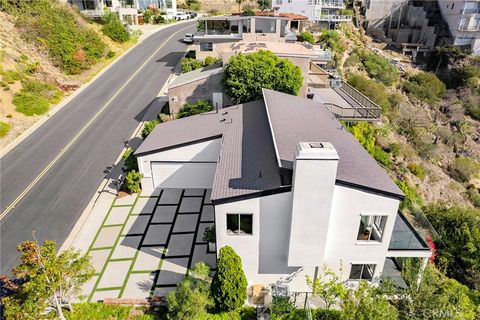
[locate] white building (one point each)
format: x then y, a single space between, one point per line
324 12
463 18
97 8
292 190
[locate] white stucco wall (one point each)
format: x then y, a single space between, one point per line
264 253
207 151
296 6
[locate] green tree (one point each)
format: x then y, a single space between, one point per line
229 286
191 109
148 127
458 243
264 4
191 299
246 74
133 181
328 287
47 280
130 160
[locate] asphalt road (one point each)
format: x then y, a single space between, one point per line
57 200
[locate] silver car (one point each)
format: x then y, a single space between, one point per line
188 38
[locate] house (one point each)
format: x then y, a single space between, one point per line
463 19
292 190
95 9
216 34
326 13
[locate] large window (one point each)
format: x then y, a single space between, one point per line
371 228
206 46
265 25
362 271
239 224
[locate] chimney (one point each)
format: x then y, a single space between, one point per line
314 175
276 11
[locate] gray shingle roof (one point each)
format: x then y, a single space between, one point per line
294 119
248 161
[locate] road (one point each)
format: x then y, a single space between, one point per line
77 144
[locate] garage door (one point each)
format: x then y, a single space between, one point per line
183 174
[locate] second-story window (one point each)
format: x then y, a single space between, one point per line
265 26
239 224
371 228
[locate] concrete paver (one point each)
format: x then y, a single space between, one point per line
148 259
150 193
126 200
208 213
208 196
117 215
136 225
162 292
190 205
126 247
101 295
138 285
107 237
200 254
164 214
170 196
185 223
193 192
144 205
173 271
180 244
98 258
201 230
157 234
117 270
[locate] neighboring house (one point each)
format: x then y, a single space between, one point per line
216 34
463 19
323 12
96 8
167 6
292 190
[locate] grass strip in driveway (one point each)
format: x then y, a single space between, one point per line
125 281
102 272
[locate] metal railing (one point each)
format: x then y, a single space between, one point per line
352 113
374 111
334 17
333 4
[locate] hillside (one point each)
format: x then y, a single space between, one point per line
429 137
34 74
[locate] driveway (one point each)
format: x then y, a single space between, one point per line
146 243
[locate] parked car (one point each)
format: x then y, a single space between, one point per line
192 15
181 16
188 38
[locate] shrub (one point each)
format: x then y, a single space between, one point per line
372 89
130 160
209 61
394 149
30 104
246 74
4 128
148 127
306 37
382 156
474 196
159 19
114 28
471 104
132 181
190 64
190 109
365 133
426 87
332 39
164 117
417 169
69 41
248 11
464 168
147 15
229 285
100 311
378 67
192 295
411 196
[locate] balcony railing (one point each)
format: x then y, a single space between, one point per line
335 17
93 13
362 106
333 4
469 28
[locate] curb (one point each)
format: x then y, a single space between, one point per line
58 107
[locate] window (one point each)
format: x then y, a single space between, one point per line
206 46
362 271
371 228
239 224
279 2
265 25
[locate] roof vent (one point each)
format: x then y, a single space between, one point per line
316 145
